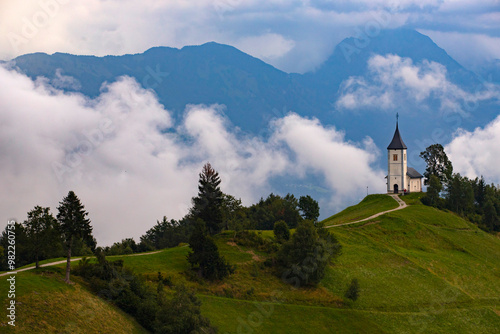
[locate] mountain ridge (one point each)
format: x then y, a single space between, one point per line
255 92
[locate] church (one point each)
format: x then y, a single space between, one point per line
400 177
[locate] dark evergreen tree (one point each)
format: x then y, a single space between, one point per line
207 206
460 195
437 163
22 256
205 254
480 187
432 197
309 208
74 224
41 233
490 218
281 231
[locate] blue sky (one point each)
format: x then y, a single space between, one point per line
295 36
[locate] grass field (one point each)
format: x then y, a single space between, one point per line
369 206
45 304
420 270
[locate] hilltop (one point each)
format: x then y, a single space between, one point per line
420 270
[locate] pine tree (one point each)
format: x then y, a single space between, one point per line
490 217
73 225
207 206
206 255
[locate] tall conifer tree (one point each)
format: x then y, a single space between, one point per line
74 224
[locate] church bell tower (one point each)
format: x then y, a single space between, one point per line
396 163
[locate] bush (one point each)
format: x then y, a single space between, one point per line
281 231
352 291
254 240
303 259
182 315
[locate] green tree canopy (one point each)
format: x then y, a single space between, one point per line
437 163
41 232
182 314
309 208
303 259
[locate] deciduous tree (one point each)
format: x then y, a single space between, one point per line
309 208
40 228
437 163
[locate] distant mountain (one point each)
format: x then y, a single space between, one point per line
206 74
351 56
255 92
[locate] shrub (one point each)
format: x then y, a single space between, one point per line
352 291
281 231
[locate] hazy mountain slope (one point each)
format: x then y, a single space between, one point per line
255 92
209 73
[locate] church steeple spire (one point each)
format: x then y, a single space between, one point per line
397 142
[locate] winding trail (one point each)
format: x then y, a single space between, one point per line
64 261
401 203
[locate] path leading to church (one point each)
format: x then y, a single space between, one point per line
401 203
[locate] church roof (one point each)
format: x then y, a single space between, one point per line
413 174
397 142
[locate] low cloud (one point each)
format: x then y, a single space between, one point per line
131 164
477 153
267 47
394 81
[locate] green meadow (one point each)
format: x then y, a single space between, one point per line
420 270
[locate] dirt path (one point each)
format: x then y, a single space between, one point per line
64 261
401 203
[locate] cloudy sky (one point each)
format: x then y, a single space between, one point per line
293 35
130 162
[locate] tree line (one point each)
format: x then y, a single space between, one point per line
472 199
43 236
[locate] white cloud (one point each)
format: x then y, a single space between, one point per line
393 81
344 165
131 164
477 153
469 49
266 47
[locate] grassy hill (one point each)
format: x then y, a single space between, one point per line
45 304
420 270
369 206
